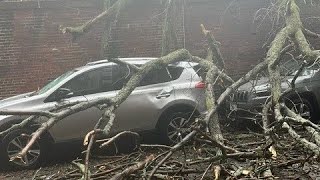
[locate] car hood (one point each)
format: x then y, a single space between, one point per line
11 102
263 84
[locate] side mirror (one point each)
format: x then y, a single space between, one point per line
63 93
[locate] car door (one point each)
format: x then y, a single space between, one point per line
77 125
111 82
107 89
141 109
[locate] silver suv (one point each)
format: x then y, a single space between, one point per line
164 101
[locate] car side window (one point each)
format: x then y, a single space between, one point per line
94 81
114 77
109 78
120 76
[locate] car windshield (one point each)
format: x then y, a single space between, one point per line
307 72
291 67
54 82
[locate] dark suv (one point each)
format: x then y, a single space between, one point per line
249 99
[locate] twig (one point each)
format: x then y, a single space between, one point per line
81 167
217 143
117 136
132 169
179 171
155 146
110 170
36 173
86 168
233 155
310 33
288 163
205 172
173 149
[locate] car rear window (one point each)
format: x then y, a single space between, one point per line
200 72
163 75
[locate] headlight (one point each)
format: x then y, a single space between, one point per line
4 117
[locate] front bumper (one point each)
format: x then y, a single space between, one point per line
251 109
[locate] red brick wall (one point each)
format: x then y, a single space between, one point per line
232 25
242 38
33 49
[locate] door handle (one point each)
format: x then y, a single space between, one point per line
163 95
166 92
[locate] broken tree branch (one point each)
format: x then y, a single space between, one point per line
309 145
111 140
310 33
214 53
27 113
217 143
112 11
132 169
172 150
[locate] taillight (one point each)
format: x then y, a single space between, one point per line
200 85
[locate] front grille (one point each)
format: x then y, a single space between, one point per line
241 96
263 93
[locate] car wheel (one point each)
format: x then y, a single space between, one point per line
302 107
175 127
13 143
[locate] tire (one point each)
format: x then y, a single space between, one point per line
175 127
303 107
11 145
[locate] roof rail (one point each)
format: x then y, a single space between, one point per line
97 62
123 59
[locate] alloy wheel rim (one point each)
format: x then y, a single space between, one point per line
16 145
178 128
